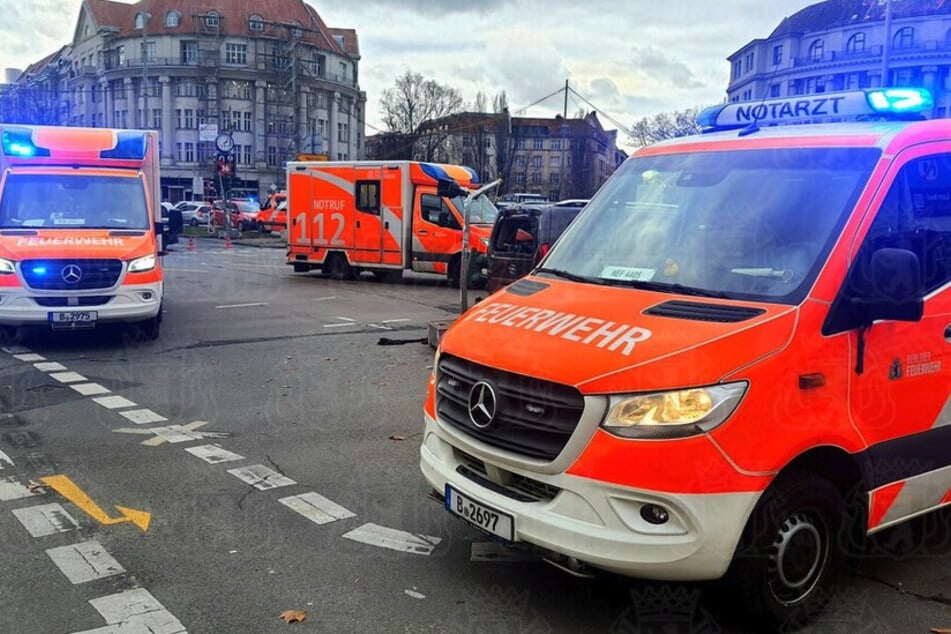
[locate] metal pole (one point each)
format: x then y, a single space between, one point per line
464 260
145 66
886 47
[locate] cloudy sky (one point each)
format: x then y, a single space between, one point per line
629 58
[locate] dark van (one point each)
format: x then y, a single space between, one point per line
522 236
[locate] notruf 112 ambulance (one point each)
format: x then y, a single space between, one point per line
733 363
80 228
382 216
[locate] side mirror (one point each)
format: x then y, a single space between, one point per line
895 291
448 188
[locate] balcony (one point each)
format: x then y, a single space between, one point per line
178 62
871 53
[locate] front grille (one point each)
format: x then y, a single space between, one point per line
61 275
517 487
88 300
534 418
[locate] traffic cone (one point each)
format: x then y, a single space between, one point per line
227 239
191 243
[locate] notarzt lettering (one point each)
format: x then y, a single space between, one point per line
823 106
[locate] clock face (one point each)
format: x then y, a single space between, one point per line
224 142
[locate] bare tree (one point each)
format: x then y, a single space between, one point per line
504 144
412 101
37 104
666 125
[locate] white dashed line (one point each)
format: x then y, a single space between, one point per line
243 305
142 416
346 319
50 366
323 299
316 508
68 377
376 535
5 458
11 489
15 349
30 358
90 389
45 519
114 402
261 477
134 611
84 562
173 434
338 325
393 321
213 454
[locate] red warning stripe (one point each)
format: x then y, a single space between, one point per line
882 500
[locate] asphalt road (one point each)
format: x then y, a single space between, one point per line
274 443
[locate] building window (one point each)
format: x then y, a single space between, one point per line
554 179
187 88
237 90
186 152
538 144
246 155
157 118
247 122
211 20
343 71
189 50
737 69
537 162
256 23
148 51
140 20
236 53
342 132
319 65
774 90
536 179
856 44
173 19
749 62
297 31
556 144
777 55
520 160
554 160
520 178
272 156
905 38
817 50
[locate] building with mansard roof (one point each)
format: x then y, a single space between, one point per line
849 44
269 72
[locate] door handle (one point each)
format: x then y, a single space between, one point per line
422 232
358 224
386 225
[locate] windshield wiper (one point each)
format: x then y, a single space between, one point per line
666 287
571 276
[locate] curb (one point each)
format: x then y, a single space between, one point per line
261 243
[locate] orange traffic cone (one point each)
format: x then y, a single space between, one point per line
227 239
191 242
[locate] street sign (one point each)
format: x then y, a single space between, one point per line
207 131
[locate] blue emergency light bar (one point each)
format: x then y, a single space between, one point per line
877 103
18 141
129 145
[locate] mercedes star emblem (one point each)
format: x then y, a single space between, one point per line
482 405
71 274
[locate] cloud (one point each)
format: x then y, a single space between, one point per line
664 69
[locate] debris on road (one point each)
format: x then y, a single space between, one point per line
293 616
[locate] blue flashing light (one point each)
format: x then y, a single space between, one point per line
707 119
129 145
18 141
900 100
39 270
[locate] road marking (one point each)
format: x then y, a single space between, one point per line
415 594
11 489
346 319
316 508
134 611
213 454
142 416
15 349
5 458
243 305
50 366
378 327
172 433
68 489
178 270
45 519
29 357
393 321
90 389
84 562
114 402
339 325
493 551
376 535
261 478
323 299
68 377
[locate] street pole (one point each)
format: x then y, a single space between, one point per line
886 47
145 65
464 260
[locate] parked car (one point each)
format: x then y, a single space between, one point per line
194 213
520 199
217 220
273 214
522 236
249 211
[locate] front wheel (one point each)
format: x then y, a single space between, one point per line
787 556
337 268
193 222
261 228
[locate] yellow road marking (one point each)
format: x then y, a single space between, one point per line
68 489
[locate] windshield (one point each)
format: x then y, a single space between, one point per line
481 210
73 201
247 206
752 224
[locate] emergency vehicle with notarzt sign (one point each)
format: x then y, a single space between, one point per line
734 363
80 228
382 216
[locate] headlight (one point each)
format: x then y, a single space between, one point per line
7 267
141 265
674 414
485 242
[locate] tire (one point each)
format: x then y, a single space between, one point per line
336 267
387 277
193 222
301 268
8 335
788 556
261 228
453 271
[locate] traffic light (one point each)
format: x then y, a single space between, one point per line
224 165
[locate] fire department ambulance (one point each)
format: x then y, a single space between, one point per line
79 209
735 362
381 216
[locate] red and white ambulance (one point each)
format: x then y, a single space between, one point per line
734 362
80 228
381 216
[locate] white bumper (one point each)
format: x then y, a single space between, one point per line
126 304
600 524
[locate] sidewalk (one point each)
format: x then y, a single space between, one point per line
253 239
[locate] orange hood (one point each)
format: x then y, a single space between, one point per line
609 339
75 243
